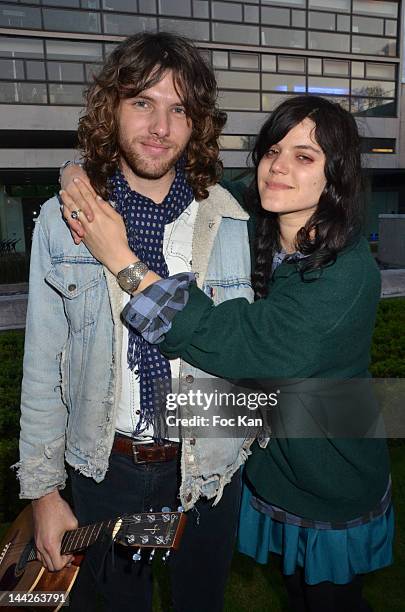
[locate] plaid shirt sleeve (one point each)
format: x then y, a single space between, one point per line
152 311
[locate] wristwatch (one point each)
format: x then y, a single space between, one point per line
130 277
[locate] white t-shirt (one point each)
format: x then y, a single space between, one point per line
177 250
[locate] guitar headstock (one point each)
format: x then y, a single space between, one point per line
150 529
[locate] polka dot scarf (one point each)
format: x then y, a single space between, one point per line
145 223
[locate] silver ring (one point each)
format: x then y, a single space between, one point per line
75 214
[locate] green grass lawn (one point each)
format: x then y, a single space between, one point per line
252 587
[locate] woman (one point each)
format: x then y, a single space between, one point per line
320 500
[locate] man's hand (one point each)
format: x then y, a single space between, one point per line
52 517
76 191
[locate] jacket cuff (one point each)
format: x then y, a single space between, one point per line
185 323
42 472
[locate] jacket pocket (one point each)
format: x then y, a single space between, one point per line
78 283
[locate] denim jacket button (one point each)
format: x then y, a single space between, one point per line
189 379
72 287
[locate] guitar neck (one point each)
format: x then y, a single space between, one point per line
79 539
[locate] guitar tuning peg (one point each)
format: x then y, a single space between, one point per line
137 556
166 509
152 554
130 539
180 509
166 556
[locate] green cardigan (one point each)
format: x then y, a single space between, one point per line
319 329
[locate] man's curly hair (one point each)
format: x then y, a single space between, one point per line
136 64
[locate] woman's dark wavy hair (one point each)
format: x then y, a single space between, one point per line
338 218
136 64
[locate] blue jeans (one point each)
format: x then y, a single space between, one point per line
198 570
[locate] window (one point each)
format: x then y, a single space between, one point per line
66 50
226 11
35 71
247 61
12 16
342 6
21 47
322 41
244 143
372 107
127 24
70 3
120 5
298 19
292 3
374 46
336 67
65 71
224 32
71 21
358 69
314 65
196 30
322 21
251 13
173 7
200 9
60 93
239 100
284 82
275 37
343 23
380 71
373 89
238 80
220 59
328 86
390 28
11 69
271 100
380 8
147 6
23 93
275 16
291 64
269 63
377 145
368 25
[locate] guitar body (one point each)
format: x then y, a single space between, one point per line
18 573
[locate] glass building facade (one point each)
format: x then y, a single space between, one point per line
349 51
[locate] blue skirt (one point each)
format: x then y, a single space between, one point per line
336 555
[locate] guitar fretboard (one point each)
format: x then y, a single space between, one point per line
81 538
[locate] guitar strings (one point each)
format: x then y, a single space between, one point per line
125 521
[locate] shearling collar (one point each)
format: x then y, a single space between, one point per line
219 204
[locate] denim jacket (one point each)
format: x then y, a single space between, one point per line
72 360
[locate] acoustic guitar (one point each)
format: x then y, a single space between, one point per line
23 579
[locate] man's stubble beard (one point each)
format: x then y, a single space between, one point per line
145 167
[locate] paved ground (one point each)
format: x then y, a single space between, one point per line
13 298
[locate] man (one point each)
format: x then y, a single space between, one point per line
149 143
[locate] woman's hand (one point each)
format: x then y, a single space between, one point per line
105 236
78 194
